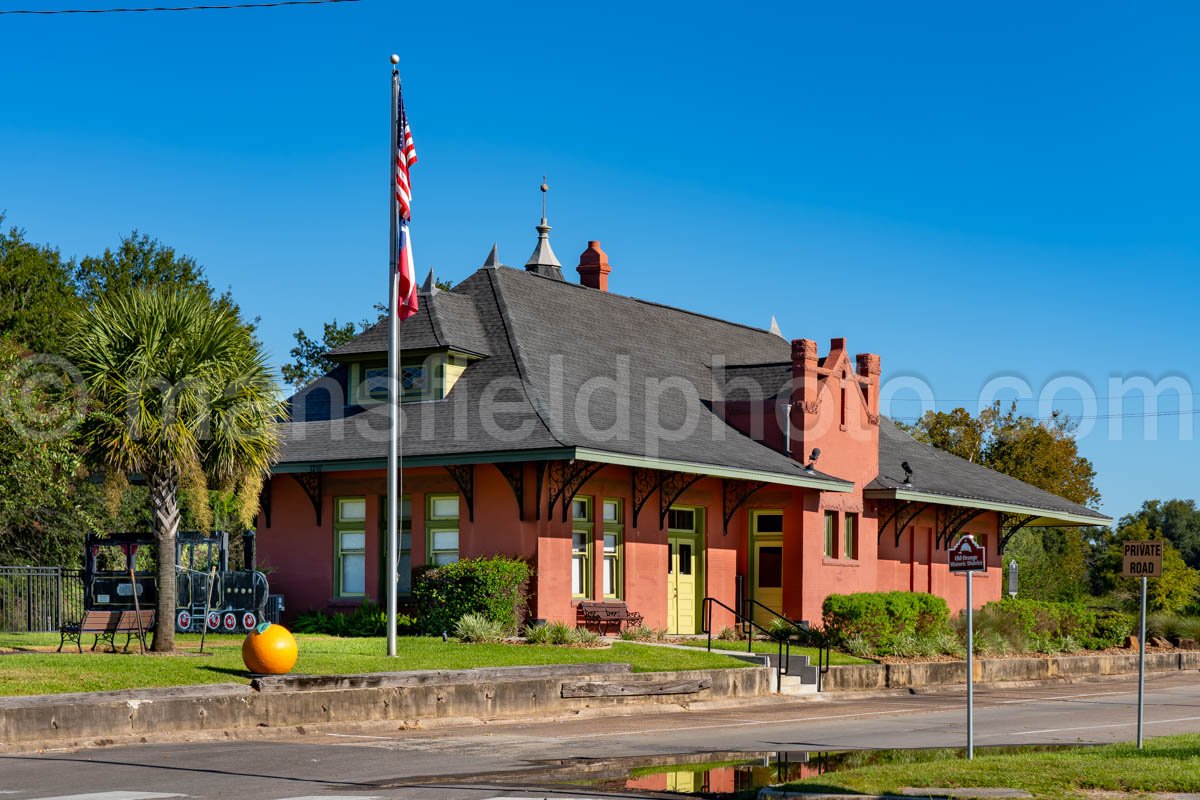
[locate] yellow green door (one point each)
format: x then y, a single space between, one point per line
768 580
685 569
682 580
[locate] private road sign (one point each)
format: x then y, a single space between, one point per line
1142 559
968 556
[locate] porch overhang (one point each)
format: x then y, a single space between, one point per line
1042 517
820 482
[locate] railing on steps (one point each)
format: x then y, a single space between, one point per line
783 660
798 630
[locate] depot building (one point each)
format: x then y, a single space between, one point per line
628 450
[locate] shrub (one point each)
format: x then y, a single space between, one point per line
550 633
879 618
478 629
644 633
780 629
858 646
366 620
1110 630
728 634
1045 618
1162 624
585 637
496 588
1189 628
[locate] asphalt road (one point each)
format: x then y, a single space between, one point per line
509 759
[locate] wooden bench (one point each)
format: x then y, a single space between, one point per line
105 626
604 614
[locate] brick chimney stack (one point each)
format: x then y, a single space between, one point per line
593 267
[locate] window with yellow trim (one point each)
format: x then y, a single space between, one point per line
850 536
350 547
581 547
441 529
830 534
614 532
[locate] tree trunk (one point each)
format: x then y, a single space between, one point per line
164 506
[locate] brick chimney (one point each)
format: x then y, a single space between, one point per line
593 267
835 408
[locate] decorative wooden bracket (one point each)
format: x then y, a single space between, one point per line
673 485
645 483
894 508
464 476
567 478
264 501
953 521
734 494
313 484
514 473
1009 525
906 516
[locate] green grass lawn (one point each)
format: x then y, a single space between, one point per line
1168 764
762 646
33 671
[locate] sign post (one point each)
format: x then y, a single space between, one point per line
969 557
1142 560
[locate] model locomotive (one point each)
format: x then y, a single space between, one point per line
115 578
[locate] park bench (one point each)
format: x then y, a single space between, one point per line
105 626
606 613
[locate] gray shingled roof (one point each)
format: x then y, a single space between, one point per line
444 320
939 474
548 338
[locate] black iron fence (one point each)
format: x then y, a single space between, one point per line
39 599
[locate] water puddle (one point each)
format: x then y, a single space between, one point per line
738 775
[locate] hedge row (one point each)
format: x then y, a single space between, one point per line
878 618
495 588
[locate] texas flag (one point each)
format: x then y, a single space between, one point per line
406 272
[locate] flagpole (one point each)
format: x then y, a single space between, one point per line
394 476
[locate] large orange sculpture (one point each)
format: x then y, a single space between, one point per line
269 650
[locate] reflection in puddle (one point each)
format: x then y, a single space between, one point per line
730 776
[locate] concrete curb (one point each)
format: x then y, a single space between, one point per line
876 677
411 698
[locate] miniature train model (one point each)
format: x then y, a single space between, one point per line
207 591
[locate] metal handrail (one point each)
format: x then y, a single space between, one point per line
783 661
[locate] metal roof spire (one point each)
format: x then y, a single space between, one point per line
493 259
543 261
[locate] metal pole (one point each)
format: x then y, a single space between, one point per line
394 379
970 672
1142 669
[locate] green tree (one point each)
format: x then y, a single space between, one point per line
1174 592
36 292
1041 453
308 356
139 261
1177 520
179 392
1053 562
45 503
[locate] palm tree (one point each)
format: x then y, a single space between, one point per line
178 392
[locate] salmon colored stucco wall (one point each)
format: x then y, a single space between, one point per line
918 566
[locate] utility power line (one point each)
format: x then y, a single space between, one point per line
150 9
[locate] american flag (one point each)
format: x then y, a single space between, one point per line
406 273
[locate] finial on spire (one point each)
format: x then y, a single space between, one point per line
543 261
775 327
493 259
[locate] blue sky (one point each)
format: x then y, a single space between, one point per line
972 192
